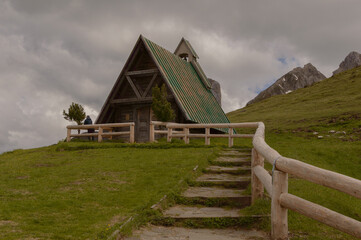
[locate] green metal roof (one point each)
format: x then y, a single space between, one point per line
195 99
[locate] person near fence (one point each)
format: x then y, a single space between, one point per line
88 121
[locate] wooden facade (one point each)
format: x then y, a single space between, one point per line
131 97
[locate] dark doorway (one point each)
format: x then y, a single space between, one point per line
142 124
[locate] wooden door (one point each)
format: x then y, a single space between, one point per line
142 124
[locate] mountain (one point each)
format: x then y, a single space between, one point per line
291 81
352 60
216 90
332 104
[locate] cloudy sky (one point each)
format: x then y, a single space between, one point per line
55 52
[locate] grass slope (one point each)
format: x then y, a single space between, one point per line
292 119
331 103
81 191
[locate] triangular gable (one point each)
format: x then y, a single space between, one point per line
187 46
194 99
123 82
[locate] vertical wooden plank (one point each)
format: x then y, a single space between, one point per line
111 137
186 137
151 132
100 134
257 186
207 138
68 133
279 222
169 134
131 133
230 139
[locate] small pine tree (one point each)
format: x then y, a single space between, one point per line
162 109
75 113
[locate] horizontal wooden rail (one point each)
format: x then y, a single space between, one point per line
321 214
104 126
320 176
213 125
109 131
202 135
186 135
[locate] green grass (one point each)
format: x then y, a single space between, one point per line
87 190
333 104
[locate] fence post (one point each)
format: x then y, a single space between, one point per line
169 135
111 137
207 138
279 222
257 186
230 139
151 132
131 133
186 133
68 133
100 136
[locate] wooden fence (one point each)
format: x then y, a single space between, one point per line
277 183
185 134
104 131
277 187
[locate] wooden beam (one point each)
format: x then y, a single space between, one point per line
321 214
136 100
110 115
131 100
320 176
257 186
279 223
150 85
134 87
141 72
264 177
138 87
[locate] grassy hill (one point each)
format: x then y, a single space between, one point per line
333 103
331 109
87 190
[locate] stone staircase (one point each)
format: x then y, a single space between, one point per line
211 203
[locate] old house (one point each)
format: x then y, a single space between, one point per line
189 90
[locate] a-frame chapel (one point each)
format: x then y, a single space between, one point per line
189 90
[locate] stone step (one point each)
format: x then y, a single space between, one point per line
231 161
236 154
167 233
185 212
216 197
224 179
212 192
230 170
237 149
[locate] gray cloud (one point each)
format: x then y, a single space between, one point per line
56 52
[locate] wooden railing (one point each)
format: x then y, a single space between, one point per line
277 183
185 133
277 187
104 131
153 131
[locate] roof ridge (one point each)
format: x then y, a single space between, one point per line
160 46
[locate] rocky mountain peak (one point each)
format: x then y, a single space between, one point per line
352 60
216 90
297 78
